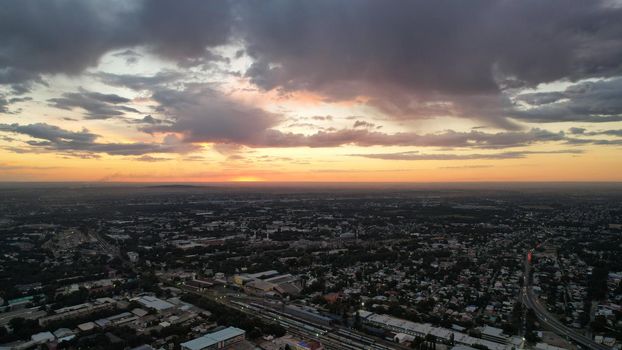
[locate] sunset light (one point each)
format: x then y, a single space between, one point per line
427 93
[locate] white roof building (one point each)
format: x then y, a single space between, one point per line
422 329
43 337
155 303
215 340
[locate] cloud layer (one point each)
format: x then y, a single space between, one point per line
411 156
95 104
52 138
484 60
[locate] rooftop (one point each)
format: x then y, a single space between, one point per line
213 338
155 303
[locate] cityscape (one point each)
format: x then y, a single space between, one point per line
311 174
260 267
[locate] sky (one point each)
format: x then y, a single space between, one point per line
321 90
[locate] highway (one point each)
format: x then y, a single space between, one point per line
531 301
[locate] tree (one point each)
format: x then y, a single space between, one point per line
23 328
416 343
357 320
599 324
479 346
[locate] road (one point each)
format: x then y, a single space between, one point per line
531 301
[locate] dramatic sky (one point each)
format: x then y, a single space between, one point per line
317 90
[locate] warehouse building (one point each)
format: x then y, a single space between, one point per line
216 340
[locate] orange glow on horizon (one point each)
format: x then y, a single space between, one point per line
246 179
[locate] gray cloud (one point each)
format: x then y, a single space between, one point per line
201 114
148 119
364 137
95 104
411 59
582 131
140 82
131 56
590 101
71 35
322 117
52 138
50 133
205 115
151 159
430 58
449 156
576 131
9 167
607 142
363 124
617 132
5 102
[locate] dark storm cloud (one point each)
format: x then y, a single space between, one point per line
52 138
589 101
66 36
59 36
95 104
449 156
183 29
411 59
449 46
454 49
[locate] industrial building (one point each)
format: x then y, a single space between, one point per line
80 310
217 340
422 329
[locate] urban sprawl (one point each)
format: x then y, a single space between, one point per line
192 267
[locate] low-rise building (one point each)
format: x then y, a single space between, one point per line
216 340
